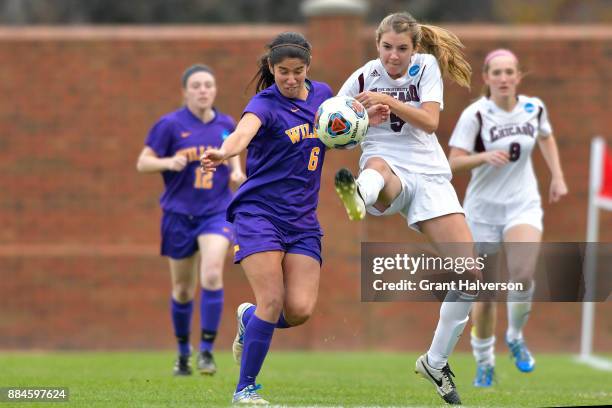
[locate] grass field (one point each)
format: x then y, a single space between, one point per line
299 379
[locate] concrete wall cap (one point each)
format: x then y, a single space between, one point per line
313 8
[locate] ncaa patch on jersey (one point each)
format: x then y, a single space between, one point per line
529 107
414 70
225 134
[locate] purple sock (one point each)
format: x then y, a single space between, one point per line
211 307
257 339
181 319
281 324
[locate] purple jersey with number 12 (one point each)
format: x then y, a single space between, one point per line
190 191
284 160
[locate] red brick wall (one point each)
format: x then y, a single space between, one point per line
79 238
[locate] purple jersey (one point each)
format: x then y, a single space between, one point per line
284 160
190 191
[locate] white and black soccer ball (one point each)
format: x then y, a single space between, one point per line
341 122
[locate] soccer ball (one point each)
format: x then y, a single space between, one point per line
341 122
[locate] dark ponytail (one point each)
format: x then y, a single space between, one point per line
285 45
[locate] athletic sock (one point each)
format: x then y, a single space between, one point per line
369 184
453 318
211 308
257 339
483 350
519 307
181 320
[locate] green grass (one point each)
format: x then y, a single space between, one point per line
299 379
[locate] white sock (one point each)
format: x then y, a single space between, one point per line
519 307
483 350
370 182
453 318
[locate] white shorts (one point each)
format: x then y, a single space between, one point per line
423 197
493 234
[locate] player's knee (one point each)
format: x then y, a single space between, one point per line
182 293
298 315
378 164
271 305
212 277
524 276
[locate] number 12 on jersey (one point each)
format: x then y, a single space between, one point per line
203 180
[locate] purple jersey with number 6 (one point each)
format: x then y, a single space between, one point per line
284 160
190 191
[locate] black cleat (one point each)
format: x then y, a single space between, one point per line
441 379
206 363
182 366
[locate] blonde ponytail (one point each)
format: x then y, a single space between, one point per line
448 50
441 43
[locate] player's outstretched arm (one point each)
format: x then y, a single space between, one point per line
235 143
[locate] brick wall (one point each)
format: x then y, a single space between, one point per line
79 238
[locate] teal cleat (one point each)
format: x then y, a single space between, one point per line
485 375
249 395
521 355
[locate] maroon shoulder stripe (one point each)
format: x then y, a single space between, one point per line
479 144
361 82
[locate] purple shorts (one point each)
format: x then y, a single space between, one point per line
180 232
258 234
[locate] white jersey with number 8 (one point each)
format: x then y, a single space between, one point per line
497 194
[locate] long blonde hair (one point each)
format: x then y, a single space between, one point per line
429 39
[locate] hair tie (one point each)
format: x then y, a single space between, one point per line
290 45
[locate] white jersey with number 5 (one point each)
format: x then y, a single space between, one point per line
496 194
400 143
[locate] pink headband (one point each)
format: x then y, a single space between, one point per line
498 53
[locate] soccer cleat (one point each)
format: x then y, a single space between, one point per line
238 344
485 374
182 366
206 363
441 379
249 395
523 359
347 190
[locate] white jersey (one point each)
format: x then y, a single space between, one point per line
399 143
497 194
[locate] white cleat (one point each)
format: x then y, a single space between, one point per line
440 378
347 190
238 344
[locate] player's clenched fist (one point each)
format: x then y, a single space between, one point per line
211 159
